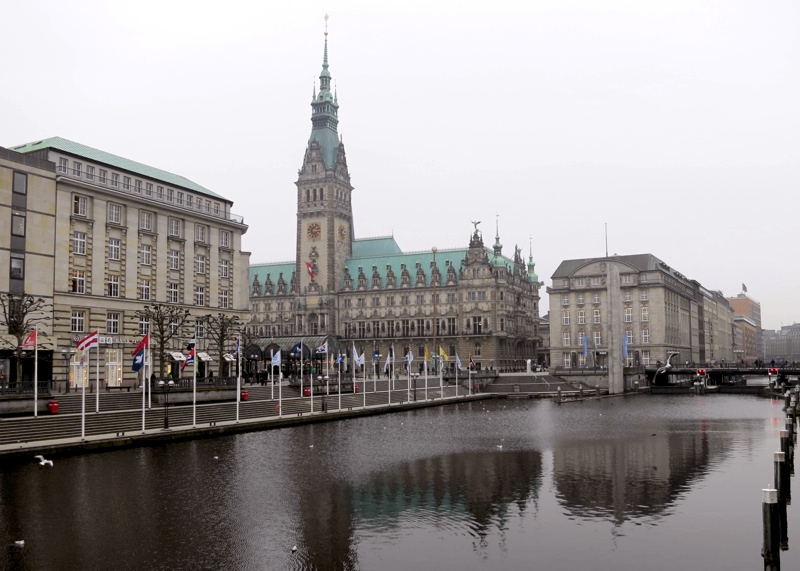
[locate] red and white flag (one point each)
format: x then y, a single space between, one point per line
90 341
30 340
143 344
310 270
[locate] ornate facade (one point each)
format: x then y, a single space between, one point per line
471 301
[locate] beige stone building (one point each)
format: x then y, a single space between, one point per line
126 235
655 311
27 249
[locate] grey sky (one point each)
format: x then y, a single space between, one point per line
675 122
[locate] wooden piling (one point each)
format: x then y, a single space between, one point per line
782 485
770 549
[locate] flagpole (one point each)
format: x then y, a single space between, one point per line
339 381
280 394
194 389
469 375
301 367
272 374
457 375
83 398
408 383
426 375
238 374
36 370
144 402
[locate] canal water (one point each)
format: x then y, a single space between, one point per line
644 482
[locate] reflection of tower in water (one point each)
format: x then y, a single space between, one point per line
627 478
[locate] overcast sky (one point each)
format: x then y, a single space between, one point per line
675 122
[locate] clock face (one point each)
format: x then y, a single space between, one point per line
342 232
314 231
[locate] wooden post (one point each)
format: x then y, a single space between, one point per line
770 549
782 485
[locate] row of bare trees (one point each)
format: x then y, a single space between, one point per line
21 313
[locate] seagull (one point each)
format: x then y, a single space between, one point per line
216 457
294 549
499 446
42 461
19 543
311 446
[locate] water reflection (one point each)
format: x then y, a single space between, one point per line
481 486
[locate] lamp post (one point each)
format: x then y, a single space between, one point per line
166 387
67 354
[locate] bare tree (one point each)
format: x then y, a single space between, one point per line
21 314
222 329
166 321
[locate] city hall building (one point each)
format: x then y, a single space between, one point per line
471 301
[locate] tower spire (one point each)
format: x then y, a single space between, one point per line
325 111
498 247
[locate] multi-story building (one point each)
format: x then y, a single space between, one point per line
783 345
128 235
655 310
27 250
747 307
470 301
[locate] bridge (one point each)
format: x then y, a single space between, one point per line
727 375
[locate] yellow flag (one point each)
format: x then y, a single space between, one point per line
427 355
443 354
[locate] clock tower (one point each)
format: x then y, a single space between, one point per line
324 210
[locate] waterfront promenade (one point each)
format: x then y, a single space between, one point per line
121 422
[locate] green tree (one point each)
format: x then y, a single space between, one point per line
21 314
166 322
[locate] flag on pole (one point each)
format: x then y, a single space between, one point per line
410 356
388 358
355 355
323 349
236 349
443 354
30 340
143 344
625 344
189 359
427 354
138 360
585 345
310 270
339 359
190 345
298 349
276 359
89 342
360 359
458 362
471 363
744 288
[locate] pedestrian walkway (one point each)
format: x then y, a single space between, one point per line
116 426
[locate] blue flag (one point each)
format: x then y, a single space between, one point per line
236 349
585 346
298 349
138 359
339 359
625 344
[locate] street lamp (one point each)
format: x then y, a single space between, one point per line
67 354
166 387
254 366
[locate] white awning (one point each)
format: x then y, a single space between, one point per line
177 356
228 357
204 356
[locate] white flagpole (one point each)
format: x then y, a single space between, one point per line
408 384
456 375
194 388
301 368
339 376
36 371
426 378
148 372
469 374
144 402
441 381
238 374
280 394
83 396
97 381
272 374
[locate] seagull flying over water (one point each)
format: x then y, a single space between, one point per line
42 461
294 549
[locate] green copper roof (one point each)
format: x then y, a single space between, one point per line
382 246
115 161
273 270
